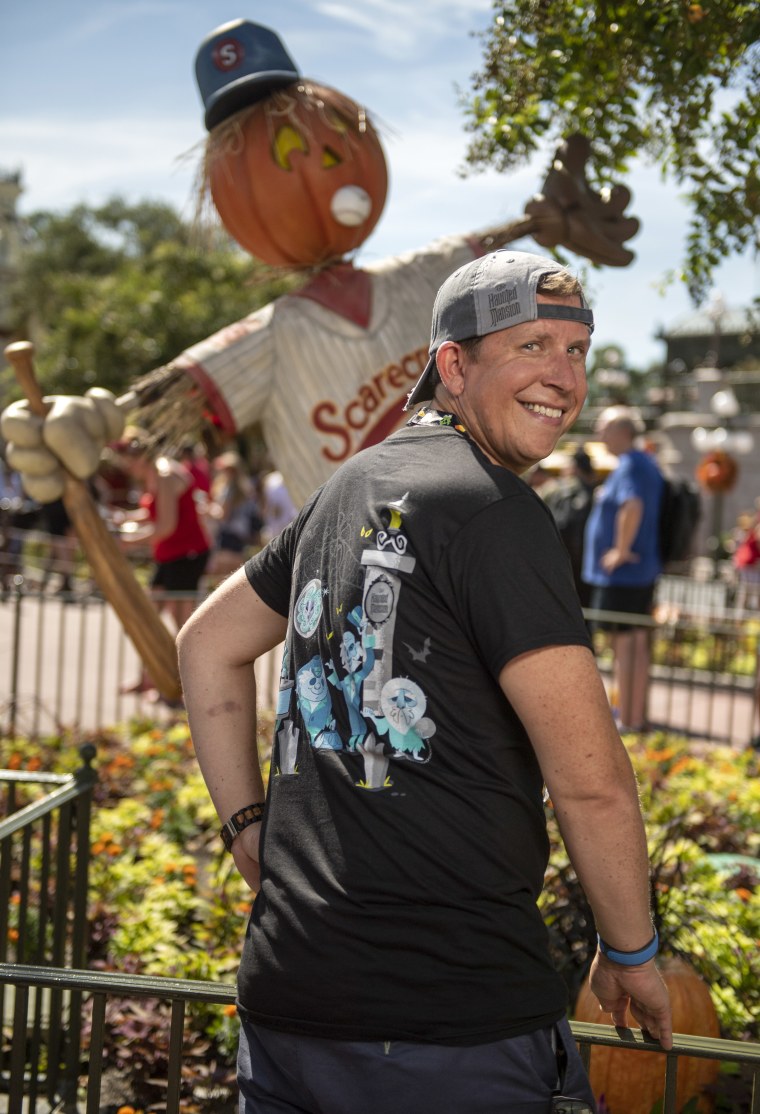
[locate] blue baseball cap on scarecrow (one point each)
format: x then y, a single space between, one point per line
238 64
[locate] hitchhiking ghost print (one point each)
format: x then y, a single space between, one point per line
313 696
357 656
403 720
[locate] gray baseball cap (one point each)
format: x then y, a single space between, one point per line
493 292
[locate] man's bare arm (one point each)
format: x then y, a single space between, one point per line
560 698
217 648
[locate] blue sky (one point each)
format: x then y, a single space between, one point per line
98 98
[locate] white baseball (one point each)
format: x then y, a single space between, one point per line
351 205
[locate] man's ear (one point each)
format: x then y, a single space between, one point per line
449 360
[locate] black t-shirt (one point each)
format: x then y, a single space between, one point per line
404 844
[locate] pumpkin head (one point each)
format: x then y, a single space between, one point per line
717 471
298 178
632 1081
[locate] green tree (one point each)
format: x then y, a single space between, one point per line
675 82
110 293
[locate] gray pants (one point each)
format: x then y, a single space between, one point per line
279 1073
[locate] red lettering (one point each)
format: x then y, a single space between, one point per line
395 376
378 381
319 416
353 406
360 409
368 399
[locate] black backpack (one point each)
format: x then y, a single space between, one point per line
680 512
570 503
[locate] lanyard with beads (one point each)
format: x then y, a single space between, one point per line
426 415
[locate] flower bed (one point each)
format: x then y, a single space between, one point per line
165 900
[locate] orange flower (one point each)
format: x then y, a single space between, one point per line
126 1110
13 934
114 849
14 762
34 763
230 1011
661 755
16 898
682 764
743 893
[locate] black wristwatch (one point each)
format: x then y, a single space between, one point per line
243 818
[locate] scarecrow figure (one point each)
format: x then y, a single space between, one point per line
297 174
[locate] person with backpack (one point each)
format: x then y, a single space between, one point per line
622 558
570 502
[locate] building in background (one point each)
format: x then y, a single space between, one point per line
724 337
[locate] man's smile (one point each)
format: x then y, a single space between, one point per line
545 411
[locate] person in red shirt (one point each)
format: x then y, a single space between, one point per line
168 519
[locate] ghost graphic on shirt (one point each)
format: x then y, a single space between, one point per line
403 704
315 706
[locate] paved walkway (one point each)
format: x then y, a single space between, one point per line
61 664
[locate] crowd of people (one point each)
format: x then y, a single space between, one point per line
198 518
610 524
195 518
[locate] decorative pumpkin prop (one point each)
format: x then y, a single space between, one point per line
300 178
295 169
631 1081
717 472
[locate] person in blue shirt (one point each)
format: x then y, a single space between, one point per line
621 557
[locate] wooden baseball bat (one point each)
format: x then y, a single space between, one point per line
111 569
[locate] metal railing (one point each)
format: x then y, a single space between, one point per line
44 866
102 986
45 1061
703 674
65 659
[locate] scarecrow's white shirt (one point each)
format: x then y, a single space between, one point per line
322 386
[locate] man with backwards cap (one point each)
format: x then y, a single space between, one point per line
395 959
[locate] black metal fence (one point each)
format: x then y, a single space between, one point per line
67 658
100 987
64 661
702 673
44 864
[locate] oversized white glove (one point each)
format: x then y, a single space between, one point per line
73 434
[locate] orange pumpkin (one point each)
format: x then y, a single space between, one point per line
717 471
631 1081
299 178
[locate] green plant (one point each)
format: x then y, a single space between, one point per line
165 899
701 812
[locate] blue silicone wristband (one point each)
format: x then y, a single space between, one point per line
630 959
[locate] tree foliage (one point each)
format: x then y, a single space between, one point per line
675 82
110 293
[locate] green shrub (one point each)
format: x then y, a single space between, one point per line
701 812
166 900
